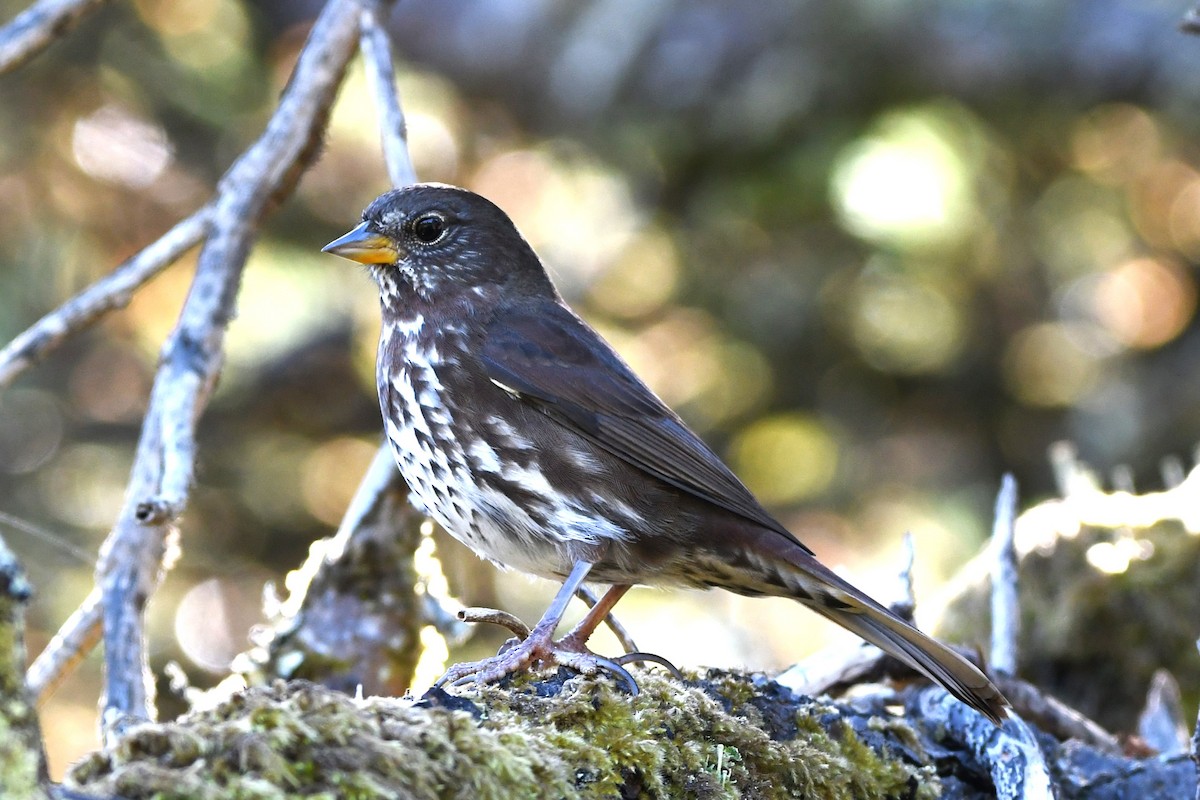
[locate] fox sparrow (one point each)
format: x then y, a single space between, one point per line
528 439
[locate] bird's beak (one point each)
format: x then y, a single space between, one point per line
364 246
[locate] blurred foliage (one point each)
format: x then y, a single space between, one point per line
875 257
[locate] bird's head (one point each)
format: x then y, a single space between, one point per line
432 239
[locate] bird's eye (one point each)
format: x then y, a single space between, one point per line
429 228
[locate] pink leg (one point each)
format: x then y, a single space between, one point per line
596 614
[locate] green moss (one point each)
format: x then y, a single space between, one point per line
705 738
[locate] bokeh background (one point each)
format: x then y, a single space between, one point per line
877 253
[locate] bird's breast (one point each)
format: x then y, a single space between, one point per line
466 464
419 420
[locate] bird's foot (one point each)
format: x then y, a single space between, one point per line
539 647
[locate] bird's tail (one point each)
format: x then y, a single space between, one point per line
819 588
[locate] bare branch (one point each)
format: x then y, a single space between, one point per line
376 643
905 606
36 27
1006 608
835 669
495 616
376 46
110 292
132 559
74 640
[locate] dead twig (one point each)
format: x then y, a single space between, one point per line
107 294
495 616
36 27
905 606
74 640
378 641
1161 724
376 47
1006 608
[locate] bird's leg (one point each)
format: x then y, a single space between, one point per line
601 611
596 614
589 597
540 644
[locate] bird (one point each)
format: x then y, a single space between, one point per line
525 435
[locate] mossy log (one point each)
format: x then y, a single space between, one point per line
566 737
717 735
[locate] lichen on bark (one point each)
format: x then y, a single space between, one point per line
22 769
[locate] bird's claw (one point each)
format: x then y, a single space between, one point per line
643 658
509 644
619 672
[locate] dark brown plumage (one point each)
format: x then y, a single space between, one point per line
529 439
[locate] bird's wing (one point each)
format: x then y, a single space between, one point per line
552 359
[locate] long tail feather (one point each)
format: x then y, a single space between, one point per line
928 656
819 588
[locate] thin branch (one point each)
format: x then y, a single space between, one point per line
494 616
835 669
36 27
437 614
74 640
380 480
376 47
46 537
110 292
133 557
905 606
1006 607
